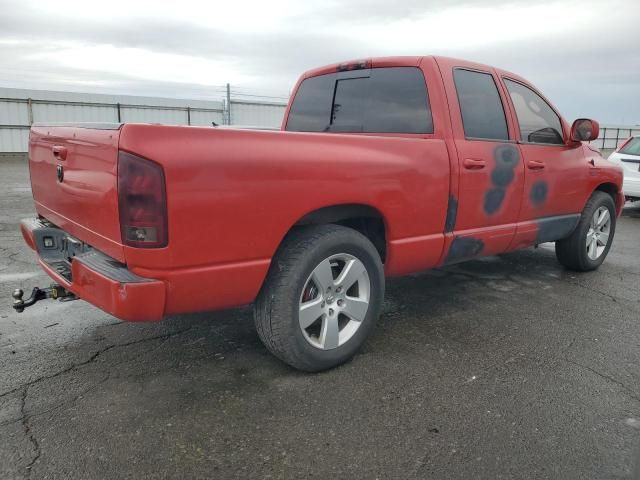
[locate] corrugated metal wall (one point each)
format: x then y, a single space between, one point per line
256 115
14 113
13 139
20 108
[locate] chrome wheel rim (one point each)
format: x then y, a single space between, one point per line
598 233
334 301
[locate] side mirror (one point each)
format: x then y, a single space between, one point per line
584 130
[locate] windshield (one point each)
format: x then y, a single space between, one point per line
632 148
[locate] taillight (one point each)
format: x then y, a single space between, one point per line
142 201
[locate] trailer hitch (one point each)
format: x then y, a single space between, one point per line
55 292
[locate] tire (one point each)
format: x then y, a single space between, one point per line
573 252
290 288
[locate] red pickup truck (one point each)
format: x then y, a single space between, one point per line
383 167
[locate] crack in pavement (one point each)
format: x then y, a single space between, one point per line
87 390
25 417
71 402
619 300
28 432
93 357
594 290
630 393
106 378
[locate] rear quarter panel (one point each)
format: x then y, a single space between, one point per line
233 194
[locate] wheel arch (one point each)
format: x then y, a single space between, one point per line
611 189
367 220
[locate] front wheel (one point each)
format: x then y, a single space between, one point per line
321 298
589 244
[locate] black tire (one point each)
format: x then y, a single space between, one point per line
276 309
572 251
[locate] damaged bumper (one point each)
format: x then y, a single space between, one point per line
94 276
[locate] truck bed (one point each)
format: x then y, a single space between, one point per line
232 195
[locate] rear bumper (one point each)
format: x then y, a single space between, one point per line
102 281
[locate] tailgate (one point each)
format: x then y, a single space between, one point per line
74 181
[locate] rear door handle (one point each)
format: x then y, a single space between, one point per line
535 165
473 164
59 152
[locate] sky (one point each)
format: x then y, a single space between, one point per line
583 55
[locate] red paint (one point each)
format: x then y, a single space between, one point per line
85 204
232 195
127 301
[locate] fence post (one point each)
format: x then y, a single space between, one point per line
604 137
228 104
30 110
119 116
188 115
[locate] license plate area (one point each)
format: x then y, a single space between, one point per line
58 249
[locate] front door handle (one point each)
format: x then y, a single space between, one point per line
535 165
473 164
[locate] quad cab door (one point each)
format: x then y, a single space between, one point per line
486 190
556 171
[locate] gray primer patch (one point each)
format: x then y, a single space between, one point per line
506 158
539 192
464 248
452 212
493 199
551 229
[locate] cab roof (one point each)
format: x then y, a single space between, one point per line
405 61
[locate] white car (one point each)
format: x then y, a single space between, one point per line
628 156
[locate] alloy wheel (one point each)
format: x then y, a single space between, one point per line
598 233
334 301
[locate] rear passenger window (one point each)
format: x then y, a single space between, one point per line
538 122
480 105
311 107
383 100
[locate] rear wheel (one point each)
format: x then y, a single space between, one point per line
589 244
321 298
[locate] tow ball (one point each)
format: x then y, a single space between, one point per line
55 292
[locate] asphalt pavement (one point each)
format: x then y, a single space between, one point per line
504 367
